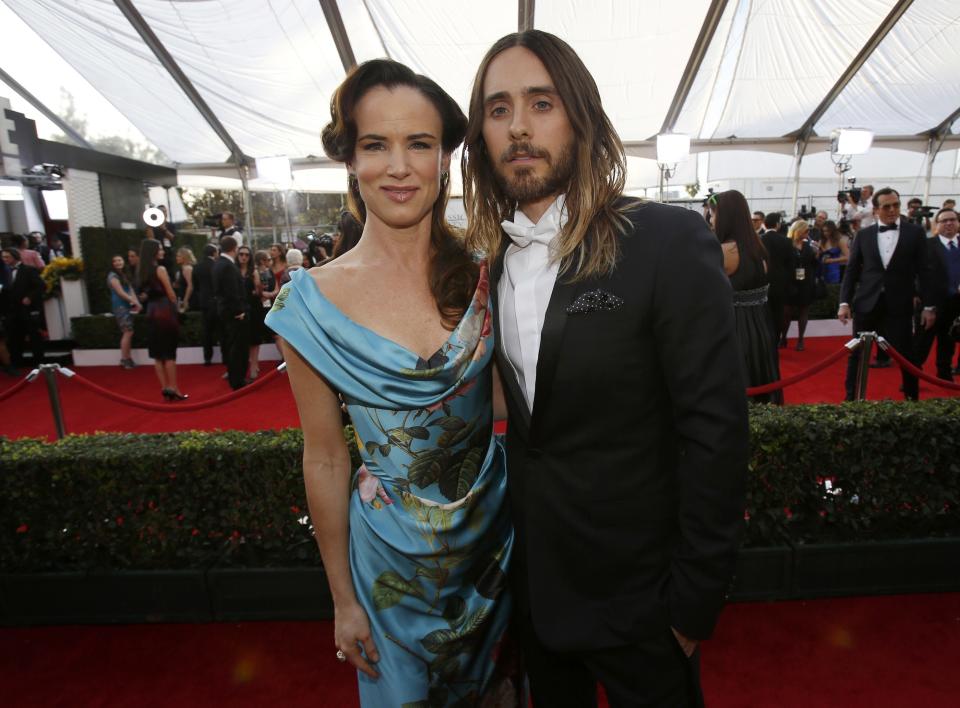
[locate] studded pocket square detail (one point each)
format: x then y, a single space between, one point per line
595 301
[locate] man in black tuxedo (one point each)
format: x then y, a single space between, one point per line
887 262
943 255
22 302
203 282
627 438
779 271
232 312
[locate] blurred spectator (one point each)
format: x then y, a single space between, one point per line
133 263
163 324
943 258
38 242
123 303
349 231
5 363
802 289
278 263
268 291
745 262
232 310
757 221
833 253
56 248
949 204
294 262
779 272
816 231
28 256
203 283
319 250
229 227
183 284
914 213
22 301
252 288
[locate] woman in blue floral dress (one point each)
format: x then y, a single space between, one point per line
417 544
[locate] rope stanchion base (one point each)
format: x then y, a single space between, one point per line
910 368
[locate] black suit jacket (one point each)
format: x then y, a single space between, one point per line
627 481
939 272
779 262
203 282
228 288
28 284
866 280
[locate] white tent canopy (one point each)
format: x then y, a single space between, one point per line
216 83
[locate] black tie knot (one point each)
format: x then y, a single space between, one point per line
887 227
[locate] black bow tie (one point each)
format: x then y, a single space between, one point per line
891 227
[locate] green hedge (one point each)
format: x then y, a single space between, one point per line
99 247
196 500
826 307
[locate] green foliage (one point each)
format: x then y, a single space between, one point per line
101 331
893 471
235 499
171 501
99 247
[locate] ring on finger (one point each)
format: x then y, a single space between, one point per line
341 656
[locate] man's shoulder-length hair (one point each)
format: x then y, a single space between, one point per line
588 244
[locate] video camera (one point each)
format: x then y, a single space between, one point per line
921 214
807 214
854 193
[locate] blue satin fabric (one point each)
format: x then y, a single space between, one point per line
430 536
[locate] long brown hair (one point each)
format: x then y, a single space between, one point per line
732 222
453 273
588 243
147 268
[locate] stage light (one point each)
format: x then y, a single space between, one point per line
851 141
275 170
672 148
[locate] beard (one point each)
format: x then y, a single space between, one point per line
525 185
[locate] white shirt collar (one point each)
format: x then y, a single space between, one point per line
946 241
523 231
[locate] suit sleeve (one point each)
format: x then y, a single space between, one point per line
36 289
700 358
852 274
228 289
924 268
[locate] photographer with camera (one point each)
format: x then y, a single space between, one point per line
919 214
857 202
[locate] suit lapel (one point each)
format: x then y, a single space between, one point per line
551 339
512 386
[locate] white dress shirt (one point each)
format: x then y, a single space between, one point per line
529 275
887 241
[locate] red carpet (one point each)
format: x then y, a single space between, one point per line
273 406
876 652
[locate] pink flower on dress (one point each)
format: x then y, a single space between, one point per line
461 391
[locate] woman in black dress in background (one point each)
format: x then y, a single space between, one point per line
163 324
745 263
802 289
252 288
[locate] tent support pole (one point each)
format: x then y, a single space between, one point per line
247 204
799 150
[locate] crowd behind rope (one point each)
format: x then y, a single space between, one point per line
797 259
898 272
232 289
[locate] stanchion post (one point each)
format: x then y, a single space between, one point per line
49 372
863 370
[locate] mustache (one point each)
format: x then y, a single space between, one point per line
528 149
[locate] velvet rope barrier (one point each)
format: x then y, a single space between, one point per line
170 407
16 388
907 366
783 383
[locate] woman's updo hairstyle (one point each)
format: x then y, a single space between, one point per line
453 273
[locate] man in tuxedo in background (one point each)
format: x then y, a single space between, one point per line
232 313
887 261
943 255
22 300
779 272
627 437
203 282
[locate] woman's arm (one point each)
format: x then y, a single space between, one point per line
326 475
257 285
165 282
731 257
187 273
124 295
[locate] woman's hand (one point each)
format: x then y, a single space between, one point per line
351 632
